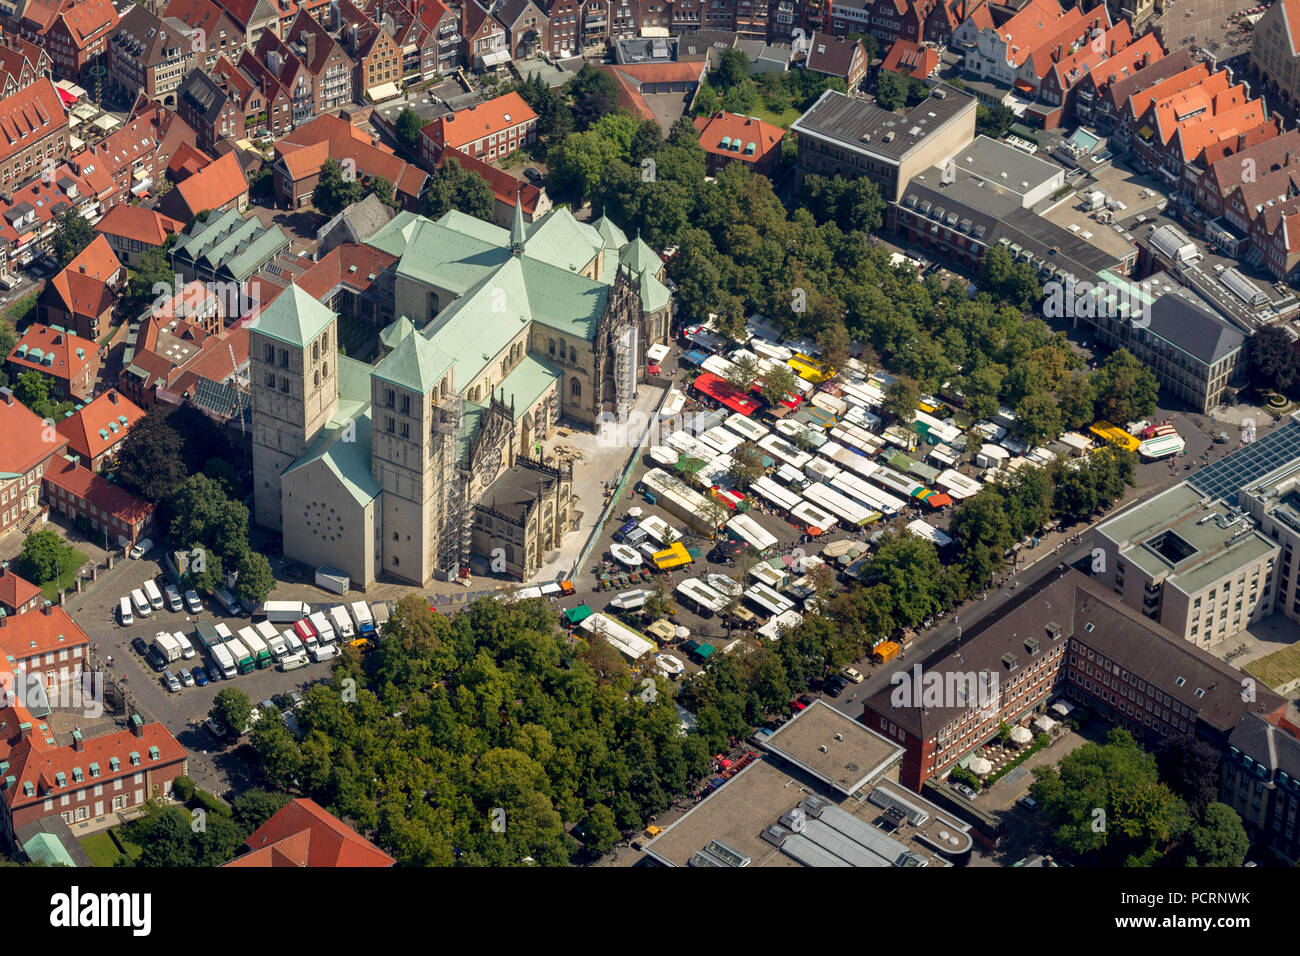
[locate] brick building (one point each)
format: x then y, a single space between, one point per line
75 491
69 361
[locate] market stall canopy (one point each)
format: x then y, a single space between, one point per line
576 615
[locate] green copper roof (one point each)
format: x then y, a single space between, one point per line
654 294
448 258
565 301
48 849
395 234
517 231
478 325
396 331
353 379
415 363
562 241
527 382
294 317
473 226
470 420
251 257
640 257
343 447
202 235
612 236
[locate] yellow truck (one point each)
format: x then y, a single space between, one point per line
885 651
1115 435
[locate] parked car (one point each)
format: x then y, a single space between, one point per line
186 677
1028 803
797 705
170 682
156 659
214 673
964 790
192 602
853 674
533 175
139 646
215 729
835 686
200 678
142 547
295 699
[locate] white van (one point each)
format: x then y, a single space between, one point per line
338 616
223 632
153 594
325 652
124 612
141 603
187 649
292 662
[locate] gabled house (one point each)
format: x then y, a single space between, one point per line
302 834
301 155
79 34
833 56
378 69
22 63
486 43
132 231
33 129
66 359
221 35
328 65
216 188
209 110
82 296
487 131
97 430
150 55
254 17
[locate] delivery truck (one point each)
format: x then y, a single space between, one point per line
364 619
167 646
284 612
222 658
338 616
279 649
207 634
256 646
324 630
244 661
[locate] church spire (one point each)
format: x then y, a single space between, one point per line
517 234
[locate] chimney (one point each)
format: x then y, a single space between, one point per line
4 621
78 743
48 609
25 729
112 395
82 268
1290 161
311 48
1241 141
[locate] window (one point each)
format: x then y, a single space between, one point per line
575 388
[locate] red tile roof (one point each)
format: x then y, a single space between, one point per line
90 20
349 263
36 632
744 129
84 284
1291 17
214 361
29 114
220 183
84 484
466 127
62 345
303 833
24 439
83 429
187 160
15 590
36 761
45 200
345 141
911 59
139 223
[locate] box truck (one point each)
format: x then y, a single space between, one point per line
227 602
279 649
256 646
223 659
324 630
244 661
206 634
338 616
167 646
283 612
365 621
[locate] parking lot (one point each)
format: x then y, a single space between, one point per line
183 712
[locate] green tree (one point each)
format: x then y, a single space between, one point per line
593 94
150 460
891 89
1075 399
71 235
1007 280
1108 806
254 807
1190 767
1038 419
1272 361
337 188
232 709
453 187
909 566
600 830
408 128
660 603
204 516
255 579
33 390
45 556
1124 389
382 190
153 283
746 466
778 384
901 399
1219 839
982 530
733 69
165 836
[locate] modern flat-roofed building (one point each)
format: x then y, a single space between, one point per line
1202 570
847 136
817 793
1274 503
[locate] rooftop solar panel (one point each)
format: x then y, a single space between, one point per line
1225 478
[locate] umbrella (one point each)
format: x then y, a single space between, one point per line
1021 735
980 766
634 512
683 632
